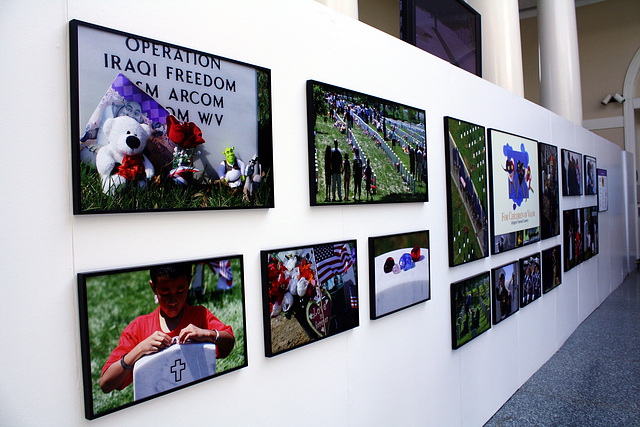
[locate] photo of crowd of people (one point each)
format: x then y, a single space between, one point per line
468 225
470 308
571 173
530 279
364 149
549 191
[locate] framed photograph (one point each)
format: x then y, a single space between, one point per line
466 162
530 279
399 272
506 287
549 191
309 293
571 174
551 271
515 201
449 30
160 127
364 149
590 232
470 309
572 239
147 331
590 181
603 190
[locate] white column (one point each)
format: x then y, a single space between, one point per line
501 48
347 7
560 87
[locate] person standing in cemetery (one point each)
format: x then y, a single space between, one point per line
336 171
346 167
327 172
173 319
368 175
357 174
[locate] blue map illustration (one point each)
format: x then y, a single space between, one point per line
519 173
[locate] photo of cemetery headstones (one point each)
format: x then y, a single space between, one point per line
550 196
551 271
364 149
571 173
590 235
506 288
116 306
590 181
399 272
465 152
530 279
572 238
309 293
470 308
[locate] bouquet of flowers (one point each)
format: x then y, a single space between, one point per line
292 283
187 136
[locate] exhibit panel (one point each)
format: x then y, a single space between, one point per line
418 375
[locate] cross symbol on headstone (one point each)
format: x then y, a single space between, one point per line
177 369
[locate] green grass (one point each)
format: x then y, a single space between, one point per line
478 171
476 295
390 186
460 219
113 301
162 194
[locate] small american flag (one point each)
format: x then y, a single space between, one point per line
332 260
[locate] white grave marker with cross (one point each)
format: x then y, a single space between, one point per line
175 366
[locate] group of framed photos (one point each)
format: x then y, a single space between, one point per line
523 178
159 127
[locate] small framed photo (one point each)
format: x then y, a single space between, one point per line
467 192
506 287
530 279
590 232
549 191
399 272
590 176
160 127
572 239
364 149
514 181
603 190
150 330
571 174
309 293
470 308
551 270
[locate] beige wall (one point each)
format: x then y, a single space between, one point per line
381 14
608 38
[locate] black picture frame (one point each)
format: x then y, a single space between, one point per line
109 300
470 309
572 240
217 104
399 272
467 191
389 136
590 176
551 268
505 282
513 178
309 293
549 191
530 279
459 43
571 175
590 241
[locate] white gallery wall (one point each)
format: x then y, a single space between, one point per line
397 370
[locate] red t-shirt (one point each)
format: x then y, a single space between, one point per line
145 325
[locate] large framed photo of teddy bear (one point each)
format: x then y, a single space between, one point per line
150 330
159 127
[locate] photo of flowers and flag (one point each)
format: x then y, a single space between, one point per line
152 86
310 293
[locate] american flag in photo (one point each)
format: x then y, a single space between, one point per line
332 260
223 268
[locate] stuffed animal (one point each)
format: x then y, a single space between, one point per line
121 160
254 176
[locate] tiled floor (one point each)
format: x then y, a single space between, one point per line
594 379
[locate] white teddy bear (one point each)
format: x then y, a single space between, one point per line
121 160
